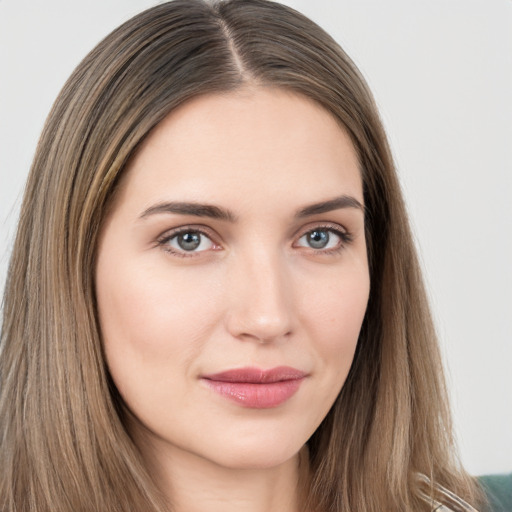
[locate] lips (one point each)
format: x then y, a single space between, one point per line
256 388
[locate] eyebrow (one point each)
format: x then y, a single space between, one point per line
194 209
218 213
337 203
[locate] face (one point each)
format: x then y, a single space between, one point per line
232 277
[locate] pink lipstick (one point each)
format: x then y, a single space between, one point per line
256 388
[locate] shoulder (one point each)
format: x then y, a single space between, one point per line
498 489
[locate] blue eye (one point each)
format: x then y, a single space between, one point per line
188 241
318 239
321 239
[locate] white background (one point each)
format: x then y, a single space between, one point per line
441 71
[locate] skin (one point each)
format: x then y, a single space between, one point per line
255 292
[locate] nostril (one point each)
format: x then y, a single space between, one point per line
264 340
247 326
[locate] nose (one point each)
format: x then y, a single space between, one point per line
261 305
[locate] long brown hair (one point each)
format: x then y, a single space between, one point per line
63 444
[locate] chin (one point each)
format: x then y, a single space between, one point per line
255 459
258 454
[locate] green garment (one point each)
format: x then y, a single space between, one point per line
498 489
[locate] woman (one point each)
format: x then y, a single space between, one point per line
213 299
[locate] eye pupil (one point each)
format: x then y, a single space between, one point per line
318 239
189 241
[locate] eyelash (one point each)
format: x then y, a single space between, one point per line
345 239
164 240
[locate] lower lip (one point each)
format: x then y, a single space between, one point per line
256 396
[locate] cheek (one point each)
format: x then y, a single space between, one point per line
153 322
150 306
336 306
335 313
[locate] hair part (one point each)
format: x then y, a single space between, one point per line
63 442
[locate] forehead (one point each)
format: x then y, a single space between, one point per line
252 143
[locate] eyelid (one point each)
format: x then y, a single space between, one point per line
327 225
168 235
343 233
345 236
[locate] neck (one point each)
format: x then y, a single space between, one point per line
194 484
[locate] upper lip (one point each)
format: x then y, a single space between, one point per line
257 375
